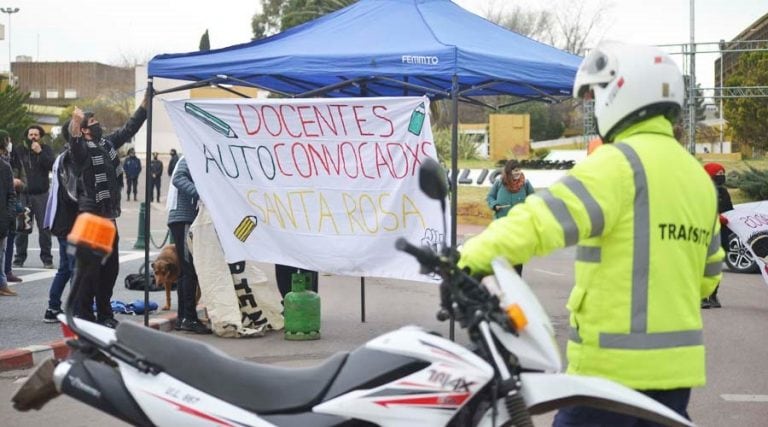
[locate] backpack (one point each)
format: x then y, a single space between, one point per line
136 282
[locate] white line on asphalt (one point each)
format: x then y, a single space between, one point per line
47 274
745 397
548 272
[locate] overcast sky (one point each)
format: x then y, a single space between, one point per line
108 30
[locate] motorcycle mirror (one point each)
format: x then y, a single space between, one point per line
432 179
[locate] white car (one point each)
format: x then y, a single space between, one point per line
738 258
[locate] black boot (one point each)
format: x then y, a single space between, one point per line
705 303
713 301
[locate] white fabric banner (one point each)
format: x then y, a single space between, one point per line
321 184
752 229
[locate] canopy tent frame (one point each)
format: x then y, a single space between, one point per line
446 53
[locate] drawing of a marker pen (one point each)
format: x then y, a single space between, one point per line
210 120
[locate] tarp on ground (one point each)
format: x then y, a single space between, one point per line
381 44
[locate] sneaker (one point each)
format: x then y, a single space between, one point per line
13 278
195 326
705 303
7 292
109 322
714 302
18 264
50 316
48 265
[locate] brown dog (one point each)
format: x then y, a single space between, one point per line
166 268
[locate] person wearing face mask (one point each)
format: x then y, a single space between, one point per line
19 184
95 159
716 171
37 159
7 205
509 190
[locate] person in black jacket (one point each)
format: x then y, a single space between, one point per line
716 171
37 158
7 215
95 159
173 161
156 169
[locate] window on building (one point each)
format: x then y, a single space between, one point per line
34 94
70 93
52 93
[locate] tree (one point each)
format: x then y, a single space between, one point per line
14 116
570 27
280 15
747 116
205 42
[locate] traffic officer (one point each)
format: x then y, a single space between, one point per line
644 216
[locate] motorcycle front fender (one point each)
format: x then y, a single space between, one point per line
547 392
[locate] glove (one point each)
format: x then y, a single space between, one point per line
723 220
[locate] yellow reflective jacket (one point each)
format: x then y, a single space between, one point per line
644 215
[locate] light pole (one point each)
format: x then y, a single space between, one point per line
10 11
722 113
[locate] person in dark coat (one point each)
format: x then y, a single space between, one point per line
156 169
98 192
19 184
717 172
173 161
132 169
7 206
37 158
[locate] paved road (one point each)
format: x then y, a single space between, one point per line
736 395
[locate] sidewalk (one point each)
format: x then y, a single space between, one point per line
27 357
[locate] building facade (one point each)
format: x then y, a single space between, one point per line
757 33
59 84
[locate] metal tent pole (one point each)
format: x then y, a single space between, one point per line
147 195
454 171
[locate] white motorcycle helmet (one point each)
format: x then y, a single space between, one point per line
629 83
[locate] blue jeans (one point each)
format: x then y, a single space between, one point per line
9 252
3 279
63 274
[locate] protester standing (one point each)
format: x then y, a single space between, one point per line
506 192
95 157
156 169
60 214
132 169
19 183
37 159
716 171
182 213
173 161
7 206
634 309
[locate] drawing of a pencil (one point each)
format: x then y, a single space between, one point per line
210 120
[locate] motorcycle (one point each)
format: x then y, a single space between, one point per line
407 377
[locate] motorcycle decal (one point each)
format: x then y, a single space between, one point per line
446 401
194 412
443 352
401 392
446 380
412 384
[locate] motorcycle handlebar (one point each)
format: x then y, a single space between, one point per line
425 256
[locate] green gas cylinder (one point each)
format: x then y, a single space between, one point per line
302 310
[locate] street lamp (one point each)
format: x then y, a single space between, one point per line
10 11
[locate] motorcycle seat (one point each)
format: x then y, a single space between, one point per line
252 386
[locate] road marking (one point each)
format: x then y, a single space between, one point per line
745 397
125 256
548 272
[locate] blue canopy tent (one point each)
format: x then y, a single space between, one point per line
383 48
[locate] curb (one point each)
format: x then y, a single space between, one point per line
30 356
